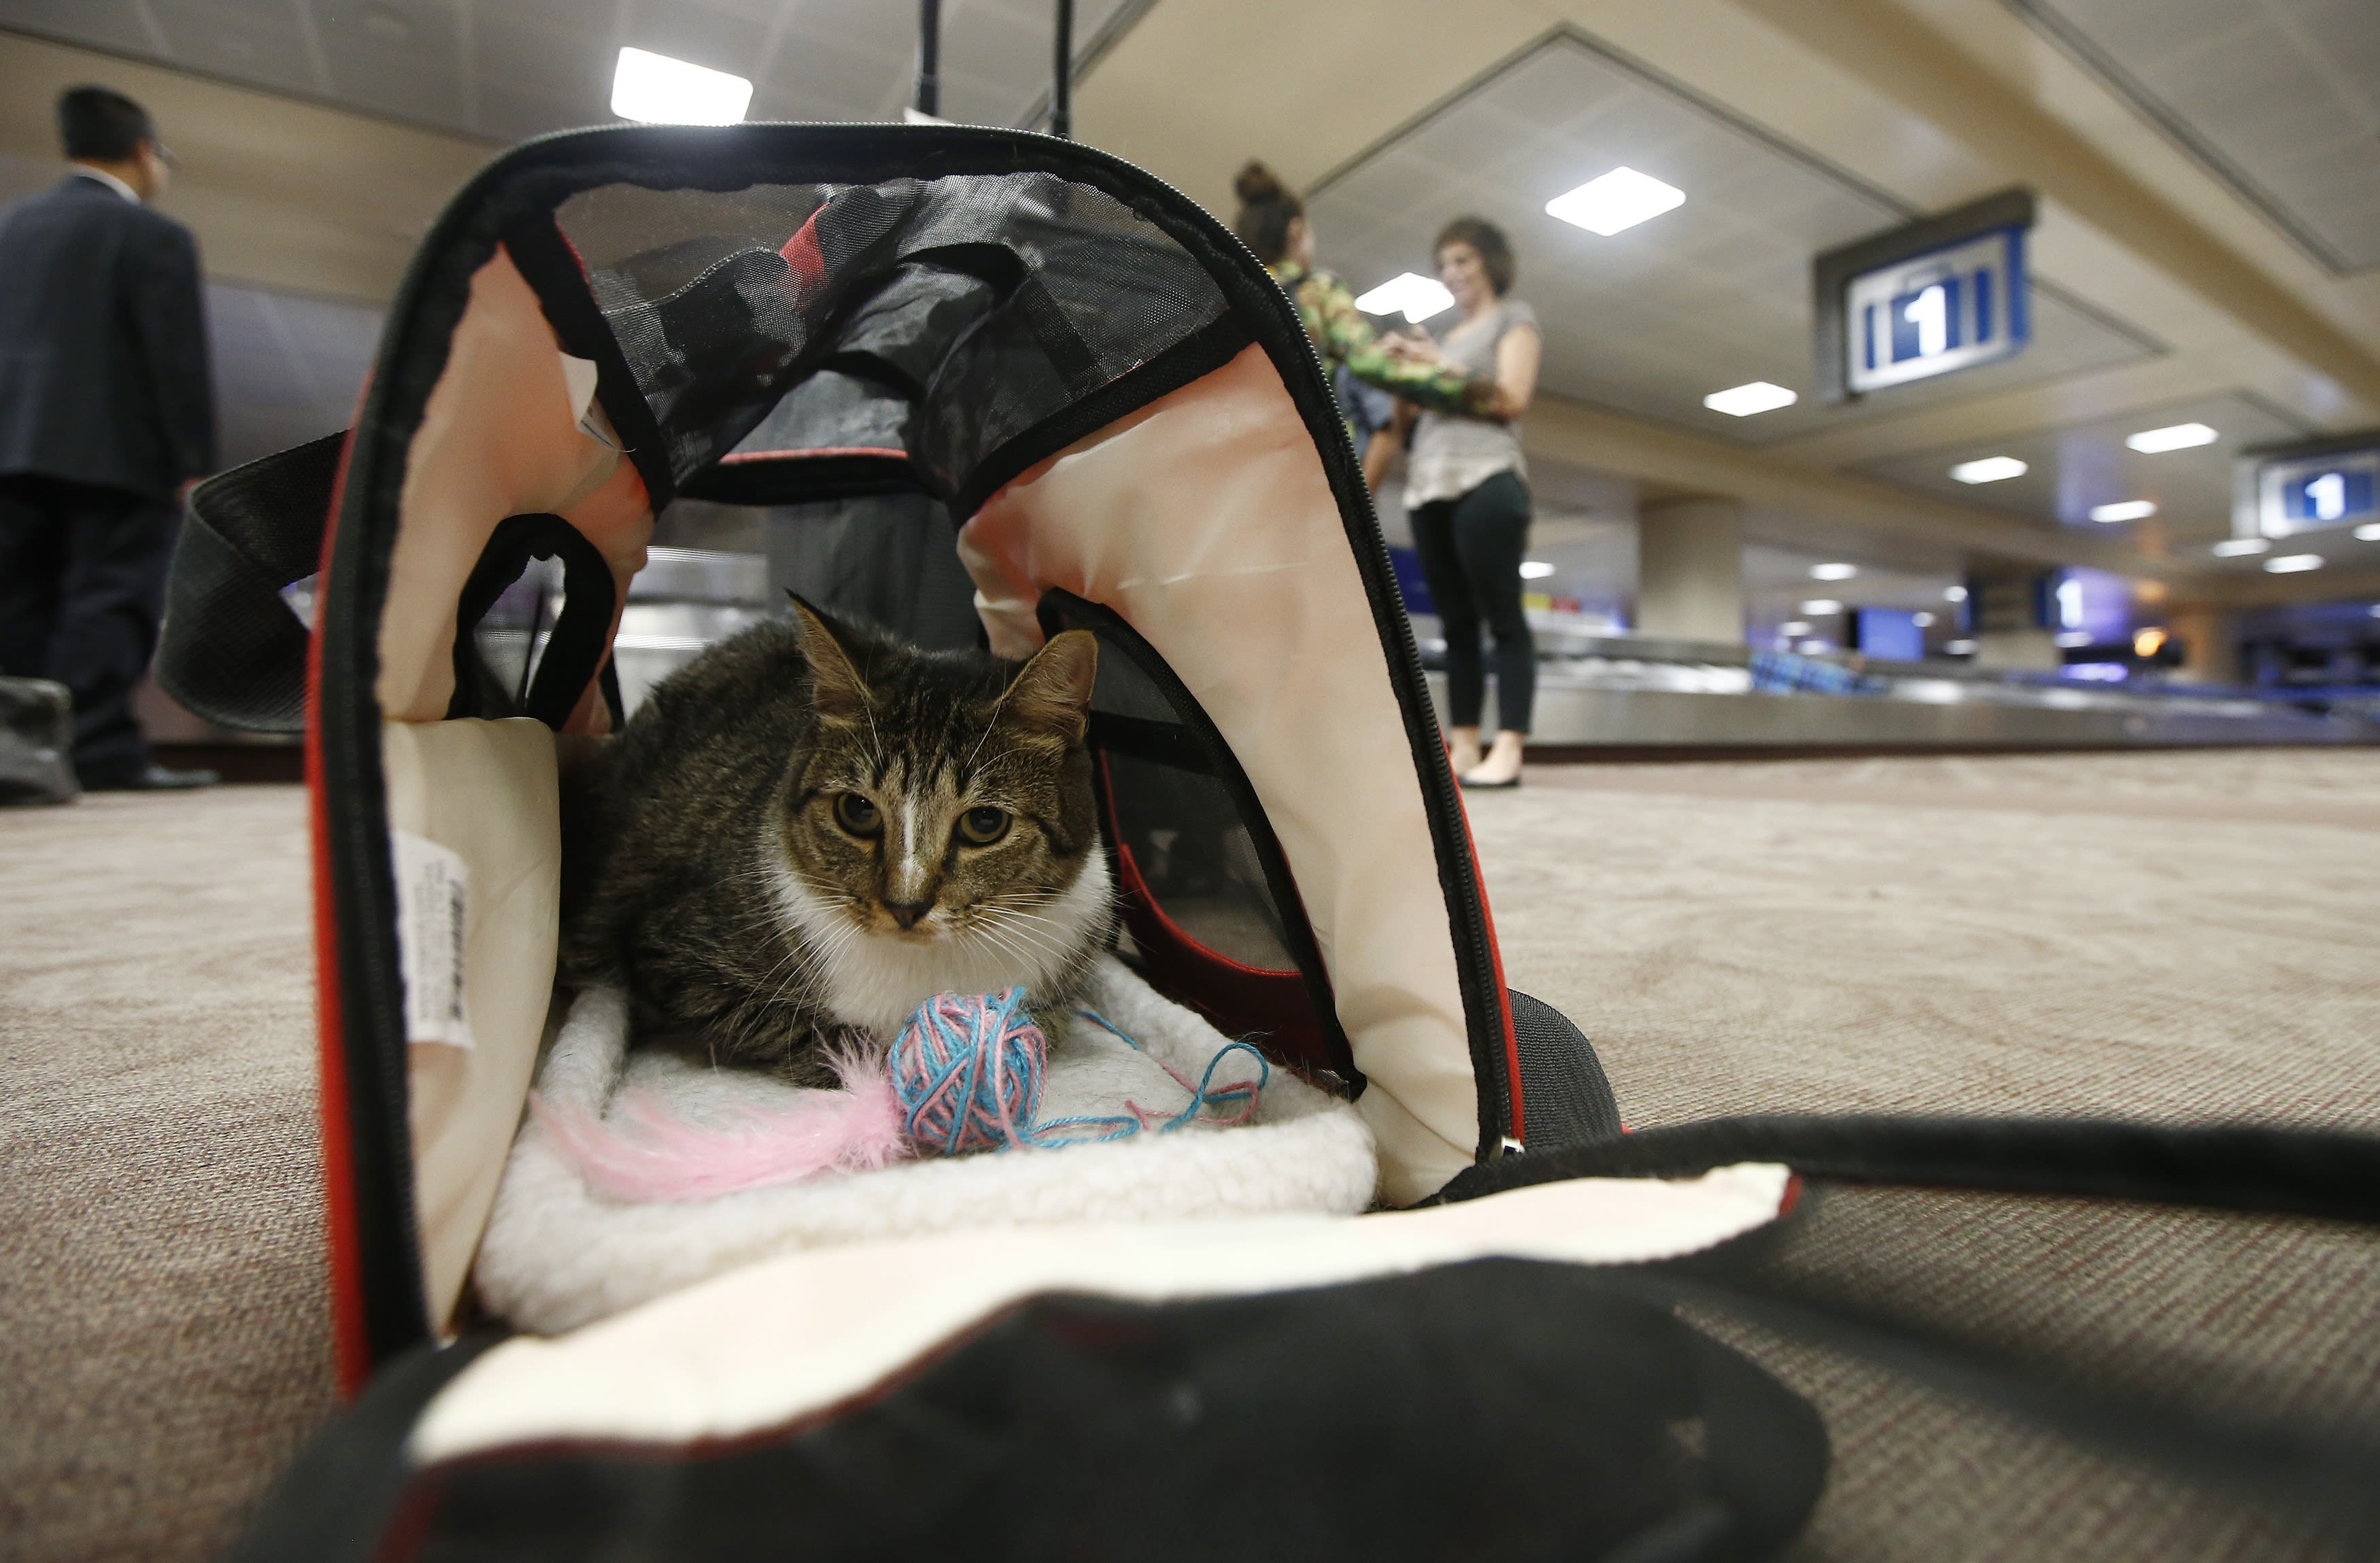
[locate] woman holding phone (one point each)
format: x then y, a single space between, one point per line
1467 493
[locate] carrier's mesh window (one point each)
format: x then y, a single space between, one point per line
1211 912
511 640
1180 822
1196 857
942 318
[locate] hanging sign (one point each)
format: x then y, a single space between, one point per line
1945 294
2310 487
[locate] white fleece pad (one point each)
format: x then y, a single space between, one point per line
558 1254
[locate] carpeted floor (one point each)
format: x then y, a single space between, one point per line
2176 936
163 1327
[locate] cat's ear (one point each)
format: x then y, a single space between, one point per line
1052 693
837 689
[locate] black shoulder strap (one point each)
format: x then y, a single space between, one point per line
234 650
2322 1174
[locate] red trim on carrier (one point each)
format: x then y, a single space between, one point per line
350 1337
736 456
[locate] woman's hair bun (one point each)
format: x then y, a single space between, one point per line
1255 184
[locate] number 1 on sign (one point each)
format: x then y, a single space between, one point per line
1930 313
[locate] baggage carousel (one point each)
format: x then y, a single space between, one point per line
1614 697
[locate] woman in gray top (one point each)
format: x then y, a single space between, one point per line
1467 493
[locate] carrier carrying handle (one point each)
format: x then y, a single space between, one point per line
926 96
234 650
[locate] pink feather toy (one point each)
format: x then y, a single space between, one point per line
641 1150
965 1074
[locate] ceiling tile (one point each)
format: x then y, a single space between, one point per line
2279 98
251 42
2070 469
1652 320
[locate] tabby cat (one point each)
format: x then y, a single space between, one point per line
813 827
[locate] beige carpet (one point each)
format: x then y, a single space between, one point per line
163 1327
2175 936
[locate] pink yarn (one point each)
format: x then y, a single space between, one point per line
966 1072
643 1151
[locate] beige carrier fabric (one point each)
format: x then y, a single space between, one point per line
759 1347
510 430
483 792
506 432
1207 521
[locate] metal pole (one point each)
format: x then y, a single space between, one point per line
1062 84
930 54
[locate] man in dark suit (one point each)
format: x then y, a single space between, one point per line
106 421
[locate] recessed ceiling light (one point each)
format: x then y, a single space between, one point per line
1802 626
1820 607
2232 548
2290 564
1619 199
2368 533
1961 649
660 91
1534 569
2173 437
1408 294
2124 510
1991 469
1923 621
1954 594
1742 401
1833 571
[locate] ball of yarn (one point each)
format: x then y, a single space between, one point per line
967 1070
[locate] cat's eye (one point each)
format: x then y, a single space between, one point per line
857 815
981 827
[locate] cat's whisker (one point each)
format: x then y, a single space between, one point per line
1030 937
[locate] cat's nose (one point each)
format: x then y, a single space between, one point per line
907 913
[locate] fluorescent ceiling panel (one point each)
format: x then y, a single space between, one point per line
2124 510
1616 201
1742 401
1833 571
2232 548
660 91
2173 437
1410 294
1990 470
2290 564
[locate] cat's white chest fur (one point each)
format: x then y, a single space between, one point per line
877 981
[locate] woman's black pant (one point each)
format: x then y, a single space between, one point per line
1470 551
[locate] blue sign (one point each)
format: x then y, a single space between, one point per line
1951 309
2310 494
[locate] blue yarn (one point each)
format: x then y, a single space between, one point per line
1118 1128
958 1094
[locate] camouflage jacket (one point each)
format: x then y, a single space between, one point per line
1344 337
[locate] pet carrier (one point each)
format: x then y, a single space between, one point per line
1544 1343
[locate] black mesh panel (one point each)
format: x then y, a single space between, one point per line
987 304
1565 1099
